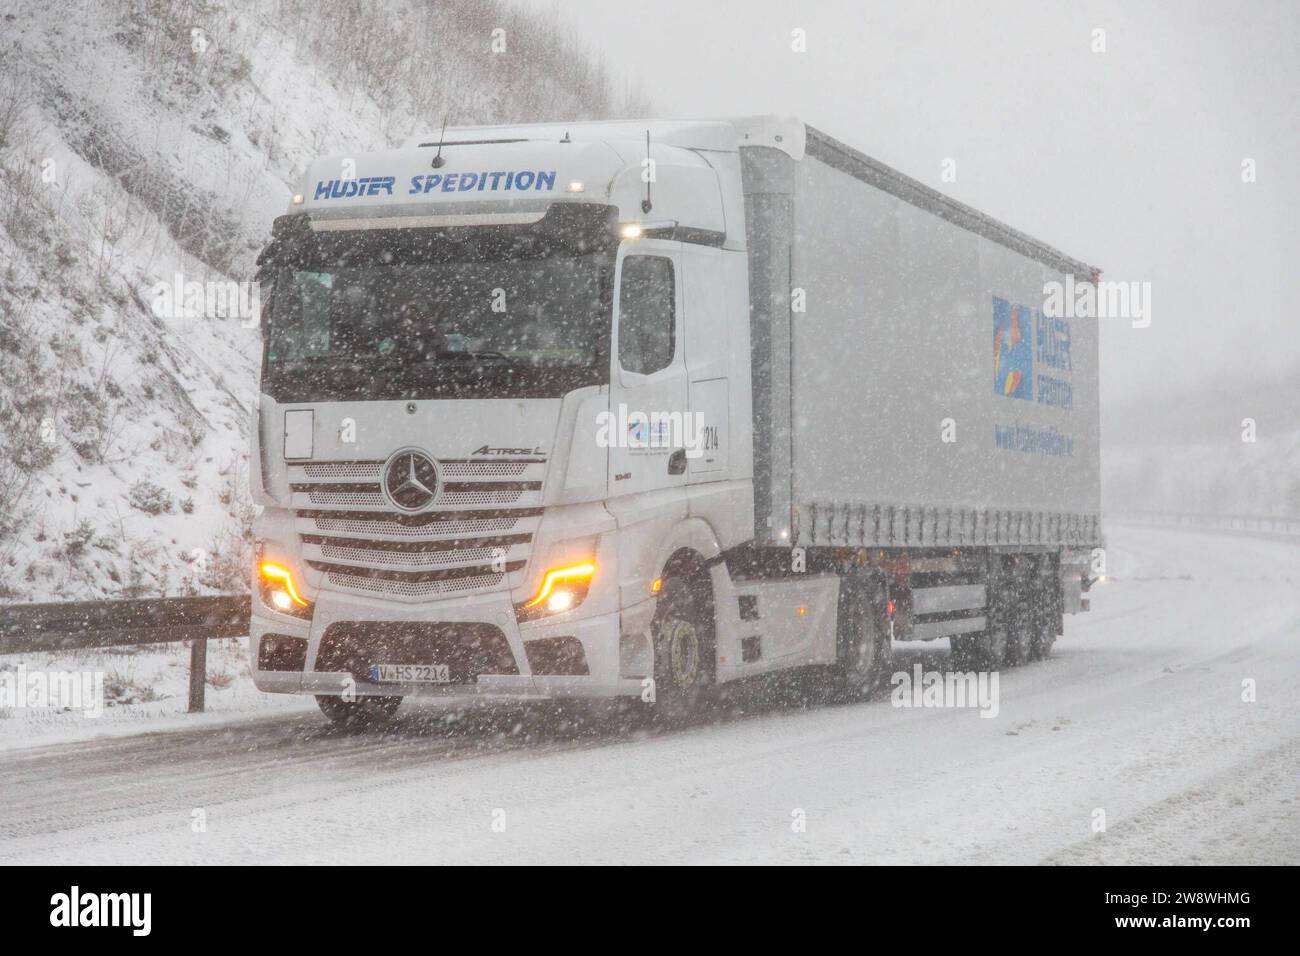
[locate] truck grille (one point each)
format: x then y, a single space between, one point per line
361 582
477 534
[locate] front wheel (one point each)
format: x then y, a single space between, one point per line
683 647
362 712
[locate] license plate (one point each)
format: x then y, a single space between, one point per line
410 673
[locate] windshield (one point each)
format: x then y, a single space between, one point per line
376 319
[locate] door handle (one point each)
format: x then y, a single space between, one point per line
677 462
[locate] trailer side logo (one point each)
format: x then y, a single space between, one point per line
1015 330
1013 350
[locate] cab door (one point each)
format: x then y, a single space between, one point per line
648 399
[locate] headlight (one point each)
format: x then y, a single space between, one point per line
279 590
561 589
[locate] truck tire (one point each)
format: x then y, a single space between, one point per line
1020 639
685 659
988 651
865 654
1044 638
1046 622
362 712
960 652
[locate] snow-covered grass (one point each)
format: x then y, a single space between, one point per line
145 690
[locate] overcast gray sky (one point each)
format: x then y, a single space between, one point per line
1129 159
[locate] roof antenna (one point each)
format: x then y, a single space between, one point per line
438 161
646 205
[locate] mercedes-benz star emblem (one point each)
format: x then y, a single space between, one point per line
410 480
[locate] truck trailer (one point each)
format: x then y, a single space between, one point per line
633 409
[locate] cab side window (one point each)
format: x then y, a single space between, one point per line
646 314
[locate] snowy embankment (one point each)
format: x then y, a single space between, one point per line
1138 721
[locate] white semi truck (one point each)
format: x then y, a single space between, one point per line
637 408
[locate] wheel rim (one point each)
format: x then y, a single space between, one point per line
684 653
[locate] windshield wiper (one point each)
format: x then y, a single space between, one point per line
500 356
465 356
462 360
367 364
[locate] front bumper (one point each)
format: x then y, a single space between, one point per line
599 636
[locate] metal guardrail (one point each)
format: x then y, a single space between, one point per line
1258 524
78 625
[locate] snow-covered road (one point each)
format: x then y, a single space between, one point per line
1139 715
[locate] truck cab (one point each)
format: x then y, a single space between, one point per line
504 399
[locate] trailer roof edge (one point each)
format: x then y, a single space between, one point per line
861 166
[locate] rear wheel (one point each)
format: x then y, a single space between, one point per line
684 647
362 712
963 649
1044 639
1050 620
1020 640
989 650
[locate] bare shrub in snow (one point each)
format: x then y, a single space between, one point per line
28 426
22 207
76 540
146 571
14 483
94 421
150 498
14 96
231 554
122 689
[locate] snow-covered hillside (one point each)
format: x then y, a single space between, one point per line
145 140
